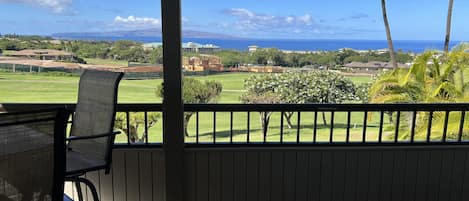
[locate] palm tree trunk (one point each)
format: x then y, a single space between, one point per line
388 35
448 25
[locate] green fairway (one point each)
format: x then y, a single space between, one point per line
41 88
223 134
361 79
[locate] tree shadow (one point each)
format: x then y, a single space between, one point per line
226 133
236 132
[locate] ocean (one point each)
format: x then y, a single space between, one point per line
416 46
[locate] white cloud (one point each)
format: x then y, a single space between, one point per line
249 23
249 20
306 19
137 22
57 6
242 12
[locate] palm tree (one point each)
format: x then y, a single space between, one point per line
429 80
448 25
388 35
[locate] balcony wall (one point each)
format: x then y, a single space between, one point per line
428 168
294 173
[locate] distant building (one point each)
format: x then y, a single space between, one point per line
372 66
382 51
43 54
202 63
253 48
263 69
299 52
378 51
307 68
188 47
199 48
150 46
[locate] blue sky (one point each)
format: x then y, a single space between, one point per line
292 19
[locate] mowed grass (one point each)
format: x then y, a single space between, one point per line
25 88
306 133
40 88
223 134
361 79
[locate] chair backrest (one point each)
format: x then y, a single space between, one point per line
32 155
95 114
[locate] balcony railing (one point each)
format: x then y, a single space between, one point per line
296 124
359 154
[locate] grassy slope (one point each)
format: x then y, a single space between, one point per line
27 88
40 88
23 88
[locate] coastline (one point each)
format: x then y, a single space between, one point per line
241 44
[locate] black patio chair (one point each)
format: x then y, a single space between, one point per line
92 133
32 157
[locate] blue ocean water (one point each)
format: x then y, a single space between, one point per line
329 45
416 46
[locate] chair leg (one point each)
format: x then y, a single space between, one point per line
78 181
92 188
79 191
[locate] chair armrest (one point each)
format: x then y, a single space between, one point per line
72 138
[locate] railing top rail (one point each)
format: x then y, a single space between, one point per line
129 107
348 124
327 107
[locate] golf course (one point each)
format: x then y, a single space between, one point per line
47 88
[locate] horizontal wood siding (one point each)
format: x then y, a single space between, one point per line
286 174
354 174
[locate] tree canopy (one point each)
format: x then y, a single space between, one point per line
195 91
297 88
312 87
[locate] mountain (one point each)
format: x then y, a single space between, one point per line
144 33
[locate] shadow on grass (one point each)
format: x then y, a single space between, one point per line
287 131
226 133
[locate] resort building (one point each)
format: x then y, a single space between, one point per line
263 69
199 48
372 66
150 46
188 47
44 54
299 52
253 48
202 63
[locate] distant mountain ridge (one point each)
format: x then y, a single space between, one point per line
138 33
